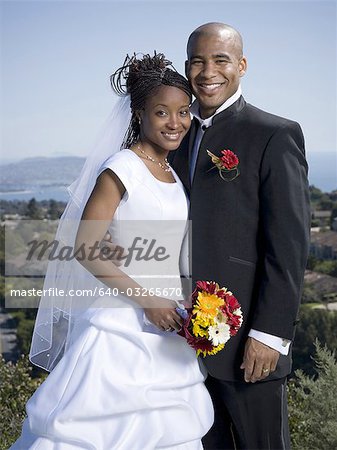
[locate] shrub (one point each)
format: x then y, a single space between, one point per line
24 334
314 323
313 405
16 387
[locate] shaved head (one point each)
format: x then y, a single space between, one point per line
215 64
225 32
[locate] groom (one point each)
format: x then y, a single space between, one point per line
249 233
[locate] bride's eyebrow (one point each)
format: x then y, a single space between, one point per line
166 106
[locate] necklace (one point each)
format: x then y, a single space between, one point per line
163 165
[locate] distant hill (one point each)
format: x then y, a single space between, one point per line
54 172
32 173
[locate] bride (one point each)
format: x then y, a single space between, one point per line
121 378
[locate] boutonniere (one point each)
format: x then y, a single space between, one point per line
227 164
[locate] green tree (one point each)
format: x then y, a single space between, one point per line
334 210
315 193
309 294
24 334
324 203
312 261
33 211
314 323
55 210
313 406
333 213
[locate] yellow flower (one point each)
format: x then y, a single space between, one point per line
214 351
207 304
201 319
198 330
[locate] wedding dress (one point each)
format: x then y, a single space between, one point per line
122 384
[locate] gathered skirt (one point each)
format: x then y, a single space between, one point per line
121 385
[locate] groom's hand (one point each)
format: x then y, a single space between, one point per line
259 360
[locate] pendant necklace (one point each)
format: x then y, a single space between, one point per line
163 165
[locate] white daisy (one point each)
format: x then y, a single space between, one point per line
219 333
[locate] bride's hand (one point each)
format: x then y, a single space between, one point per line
162 313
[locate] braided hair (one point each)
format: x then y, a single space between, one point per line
140 78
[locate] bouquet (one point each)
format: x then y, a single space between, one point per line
213 318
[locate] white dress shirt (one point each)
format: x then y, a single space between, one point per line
205 123
275 342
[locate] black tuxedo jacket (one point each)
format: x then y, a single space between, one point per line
250 234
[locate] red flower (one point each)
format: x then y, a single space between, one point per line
232 301
204 345
234 322
226 164
221 293
229 159
207 286
198 343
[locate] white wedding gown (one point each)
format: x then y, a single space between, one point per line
123 384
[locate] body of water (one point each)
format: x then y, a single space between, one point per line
322 174
60 194
323 170
326 184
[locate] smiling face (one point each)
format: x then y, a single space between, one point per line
214 67
165 119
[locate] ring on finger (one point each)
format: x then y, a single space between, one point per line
265 370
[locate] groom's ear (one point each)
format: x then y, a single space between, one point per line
186 68
242 66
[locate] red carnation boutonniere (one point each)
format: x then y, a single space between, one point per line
227 164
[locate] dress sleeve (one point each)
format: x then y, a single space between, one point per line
122 165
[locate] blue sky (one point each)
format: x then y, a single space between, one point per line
56 58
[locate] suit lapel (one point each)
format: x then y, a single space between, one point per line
193 132
180 160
